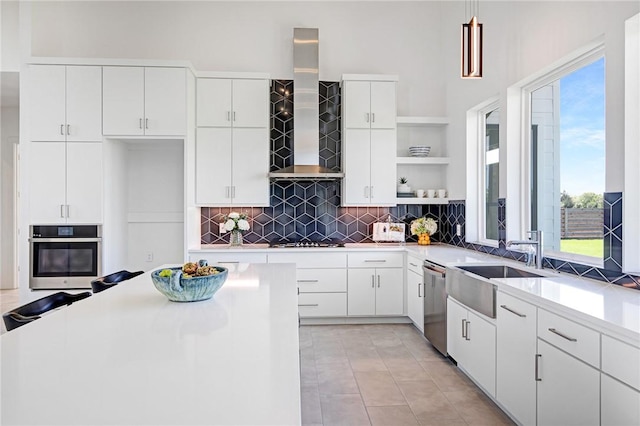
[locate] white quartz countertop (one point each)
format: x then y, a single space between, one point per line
129 356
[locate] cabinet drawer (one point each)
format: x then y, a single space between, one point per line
311 260
229 257
515 309
374 259
322 304
414 264
621 361
322 280
571 337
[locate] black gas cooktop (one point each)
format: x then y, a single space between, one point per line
305 244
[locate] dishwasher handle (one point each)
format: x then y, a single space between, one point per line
433 269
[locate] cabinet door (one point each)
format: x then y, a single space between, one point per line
620 403
356 105
481 348
47 102
250 103
389 291
515 362
123 101
250 167
84 104
415 307
361 292
383 105
569 390
383 170
165 102
84 182
213 107
456 319
47 182
213 166
357 162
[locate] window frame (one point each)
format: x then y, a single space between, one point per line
522 111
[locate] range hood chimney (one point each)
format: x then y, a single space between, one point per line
306 112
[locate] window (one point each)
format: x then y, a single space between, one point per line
567 160
491 178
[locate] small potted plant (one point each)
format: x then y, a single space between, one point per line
403 187
424 228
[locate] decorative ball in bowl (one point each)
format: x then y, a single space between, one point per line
189 283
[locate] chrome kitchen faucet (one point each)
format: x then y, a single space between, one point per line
534 241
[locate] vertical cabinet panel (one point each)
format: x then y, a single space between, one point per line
383 172
361 293
383 105
481 363
123 100
84 182
357 181
250 167
415 301
213 102
568 390
47 181
84 104
620 403
357 104
213 166
456 316
47 102
389 291
250 103
165 101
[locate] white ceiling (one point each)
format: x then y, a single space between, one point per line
9 89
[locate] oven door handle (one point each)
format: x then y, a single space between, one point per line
65 240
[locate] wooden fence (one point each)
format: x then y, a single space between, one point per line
581 223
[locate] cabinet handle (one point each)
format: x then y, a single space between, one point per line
537 368
373 281
68 129
233 192
234 116
505 307
564 336
67 209
366 117
61 210
371 191
228 115
62 129
307 281
378 281
146 123
366 192
413 264
226 192
375 260
140 123
308 304
466 330
463 335
419 285
373 117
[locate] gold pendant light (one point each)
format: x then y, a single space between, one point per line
472 44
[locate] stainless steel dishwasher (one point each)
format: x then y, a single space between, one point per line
435 305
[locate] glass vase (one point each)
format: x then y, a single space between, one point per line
236 238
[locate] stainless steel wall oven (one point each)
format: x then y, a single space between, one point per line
64 256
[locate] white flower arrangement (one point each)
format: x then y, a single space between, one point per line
424 225
235 221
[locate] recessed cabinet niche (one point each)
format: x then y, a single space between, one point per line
369 140
144 101
232 142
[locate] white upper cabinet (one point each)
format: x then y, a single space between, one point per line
225 102
232 142
65 103
144 101
369 142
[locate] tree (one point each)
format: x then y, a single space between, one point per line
590 200
566 200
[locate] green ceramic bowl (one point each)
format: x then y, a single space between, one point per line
179 289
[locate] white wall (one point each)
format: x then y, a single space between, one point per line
9 136
9 36
520 39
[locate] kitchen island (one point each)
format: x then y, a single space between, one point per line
130 356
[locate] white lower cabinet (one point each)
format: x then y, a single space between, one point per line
515 357
415 292
471 341
568 390
375 290
230 258
620 404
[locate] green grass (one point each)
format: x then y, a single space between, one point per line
594 248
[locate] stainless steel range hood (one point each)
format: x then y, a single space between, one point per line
306 114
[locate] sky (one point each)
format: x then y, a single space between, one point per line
582 130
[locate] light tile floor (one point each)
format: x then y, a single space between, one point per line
385 375
9 299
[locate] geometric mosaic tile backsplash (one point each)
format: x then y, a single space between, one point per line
312 211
